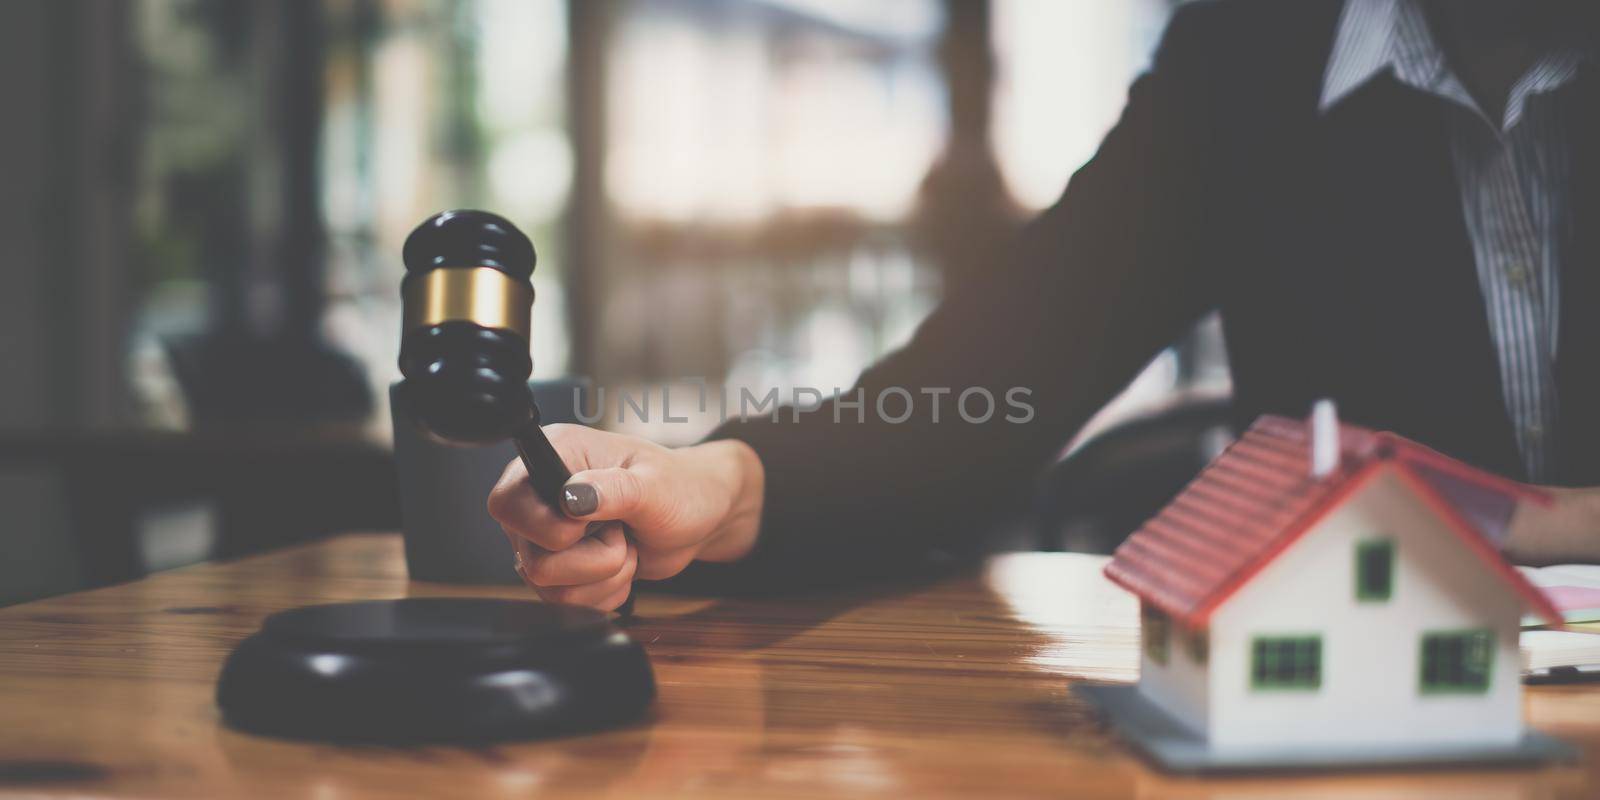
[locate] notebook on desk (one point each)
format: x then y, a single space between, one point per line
1574 651
1573 588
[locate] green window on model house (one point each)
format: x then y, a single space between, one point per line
1457 662
1374 570
1153 628
1199 645
1286 662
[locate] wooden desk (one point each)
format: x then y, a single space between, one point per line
959 687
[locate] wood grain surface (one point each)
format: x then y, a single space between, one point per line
956 687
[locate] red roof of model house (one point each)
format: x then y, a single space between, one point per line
1259 496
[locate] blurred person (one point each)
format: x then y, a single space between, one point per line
1393 203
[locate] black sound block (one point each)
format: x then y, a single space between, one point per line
426 670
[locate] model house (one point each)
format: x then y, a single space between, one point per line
1326 586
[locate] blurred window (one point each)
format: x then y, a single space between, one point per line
762 160
427 105
1064 68
190 185
436 105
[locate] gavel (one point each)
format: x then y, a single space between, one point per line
464 347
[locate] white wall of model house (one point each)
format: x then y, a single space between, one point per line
1370 691
1179 682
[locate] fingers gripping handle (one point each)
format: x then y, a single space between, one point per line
548 474
546 471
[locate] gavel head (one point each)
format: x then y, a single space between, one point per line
464 343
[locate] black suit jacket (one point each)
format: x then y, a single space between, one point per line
1333 244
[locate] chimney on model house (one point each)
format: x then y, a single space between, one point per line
1324 438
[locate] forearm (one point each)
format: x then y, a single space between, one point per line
1083 298
741 472
842 493
1565 531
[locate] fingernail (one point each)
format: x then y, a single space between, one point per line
579 499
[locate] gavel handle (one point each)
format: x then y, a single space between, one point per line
548 474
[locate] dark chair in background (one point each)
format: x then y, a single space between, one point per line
231 379
263 488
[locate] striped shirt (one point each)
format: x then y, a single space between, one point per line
1513 178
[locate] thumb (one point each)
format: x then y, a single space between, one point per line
610 493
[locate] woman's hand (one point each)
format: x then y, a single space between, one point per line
655 509
1565 531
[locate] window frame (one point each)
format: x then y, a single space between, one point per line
1487 639
1364 593
1259 684
1155 633
1199 642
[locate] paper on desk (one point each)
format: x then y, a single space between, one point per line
1567 574
1545 650
1574 589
